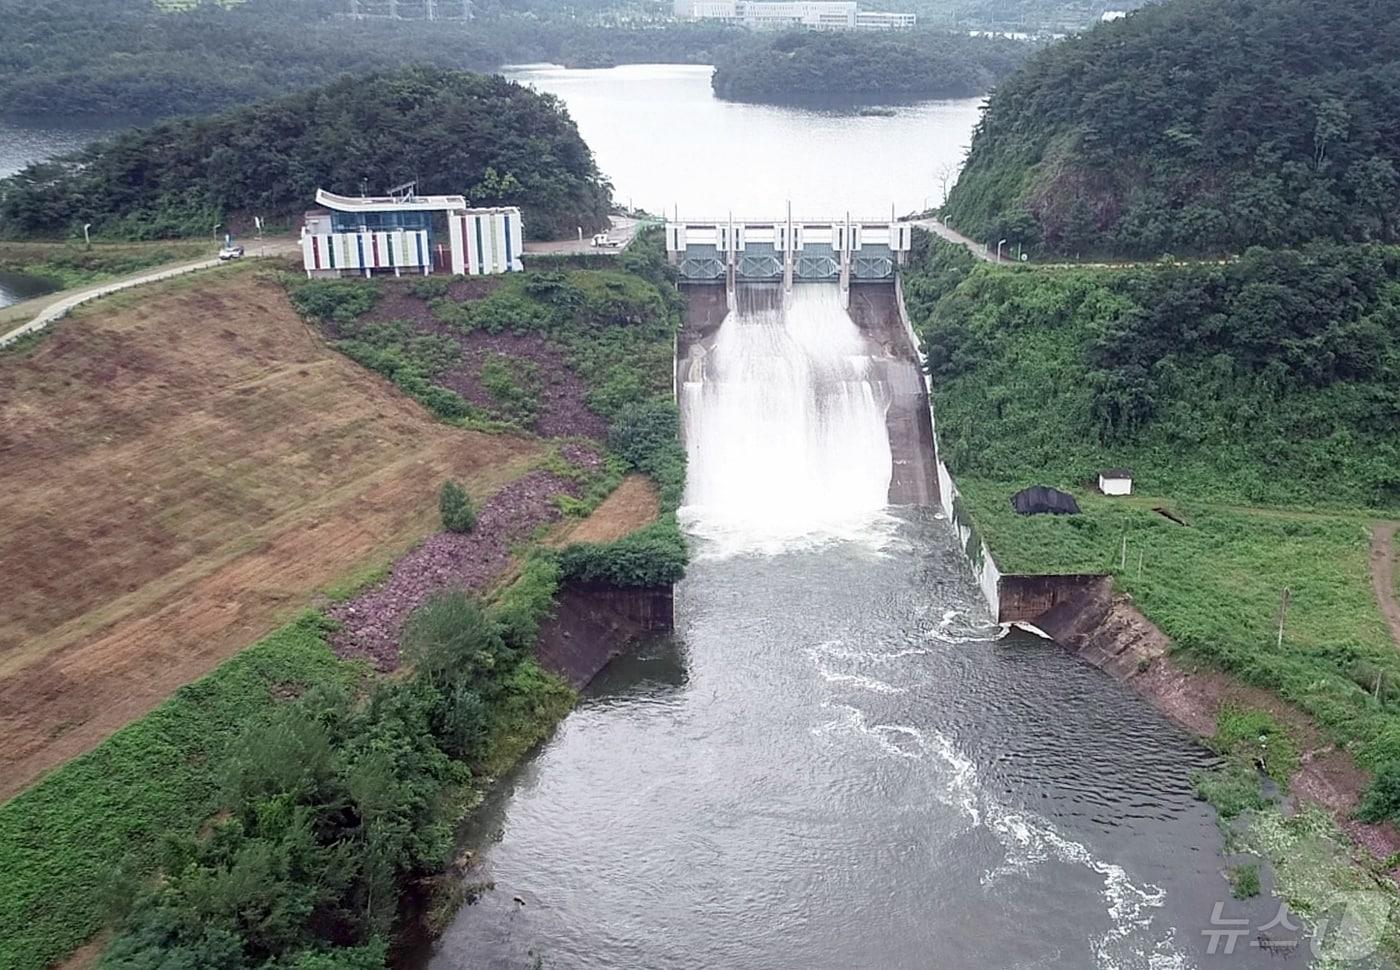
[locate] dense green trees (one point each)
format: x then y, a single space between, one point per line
453 132
333 803
803 67
1196 126
1274 379
127 58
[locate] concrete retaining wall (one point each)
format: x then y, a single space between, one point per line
593 624
1026 598
979 557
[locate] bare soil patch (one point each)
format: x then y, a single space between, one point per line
181 470
632 505
1383 575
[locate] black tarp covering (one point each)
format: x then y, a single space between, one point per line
1041 499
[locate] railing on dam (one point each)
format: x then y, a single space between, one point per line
842 250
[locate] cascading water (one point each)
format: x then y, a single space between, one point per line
785 424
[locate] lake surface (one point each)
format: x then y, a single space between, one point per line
22 145
15 287
665 140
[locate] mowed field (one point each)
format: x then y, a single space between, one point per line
182 468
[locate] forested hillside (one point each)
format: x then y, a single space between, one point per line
128 58
485 137
1274 379
808 67
1196 126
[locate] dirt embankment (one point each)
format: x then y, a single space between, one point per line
1109 632
181 469
1383 575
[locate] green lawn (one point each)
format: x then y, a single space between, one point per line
1214 587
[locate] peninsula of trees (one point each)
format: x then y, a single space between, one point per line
1196 126
493 140
130 59
806 67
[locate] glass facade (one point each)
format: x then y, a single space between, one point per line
379 221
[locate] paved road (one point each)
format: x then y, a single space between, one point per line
622 230
953 236
59 308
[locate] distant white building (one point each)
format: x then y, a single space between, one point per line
405 232
1114 15
1116 481
788 14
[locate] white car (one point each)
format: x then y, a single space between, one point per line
231 252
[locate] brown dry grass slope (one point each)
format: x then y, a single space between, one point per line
181 468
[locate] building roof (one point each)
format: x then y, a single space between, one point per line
1116 473
384 203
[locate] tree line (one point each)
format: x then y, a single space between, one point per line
1195 126
818 67
1271 379
450 131
128 59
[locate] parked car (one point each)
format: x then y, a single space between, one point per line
231 252
601 239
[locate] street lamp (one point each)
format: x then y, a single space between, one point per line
999 245
87 240
217 225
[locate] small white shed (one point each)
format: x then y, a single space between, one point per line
1116 481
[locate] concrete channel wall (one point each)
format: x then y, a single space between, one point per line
593 624
979 557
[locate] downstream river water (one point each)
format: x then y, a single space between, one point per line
839 761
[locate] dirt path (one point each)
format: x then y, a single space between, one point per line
184 467
1383 574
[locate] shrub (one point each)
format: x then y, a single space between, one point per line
519 610
429 287
338 301
512 382
1255 737
1382 800
455 507
655 555
1244 881
1231 790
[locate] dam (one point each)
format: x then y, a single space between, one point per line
839 760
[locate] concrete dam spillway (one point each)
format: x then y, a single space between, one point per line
839 760
799 423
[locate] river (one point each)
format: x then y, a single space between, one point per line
839 760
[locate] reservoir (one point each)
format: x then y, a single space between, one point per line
15 287
664 140
839 760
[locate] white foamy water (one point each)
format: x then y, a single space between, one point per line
785 426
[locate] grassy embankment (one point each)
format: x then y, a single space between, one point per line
1256 402
188 789
71 264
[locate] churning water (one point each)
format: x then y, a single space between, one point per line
785 425
840 761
